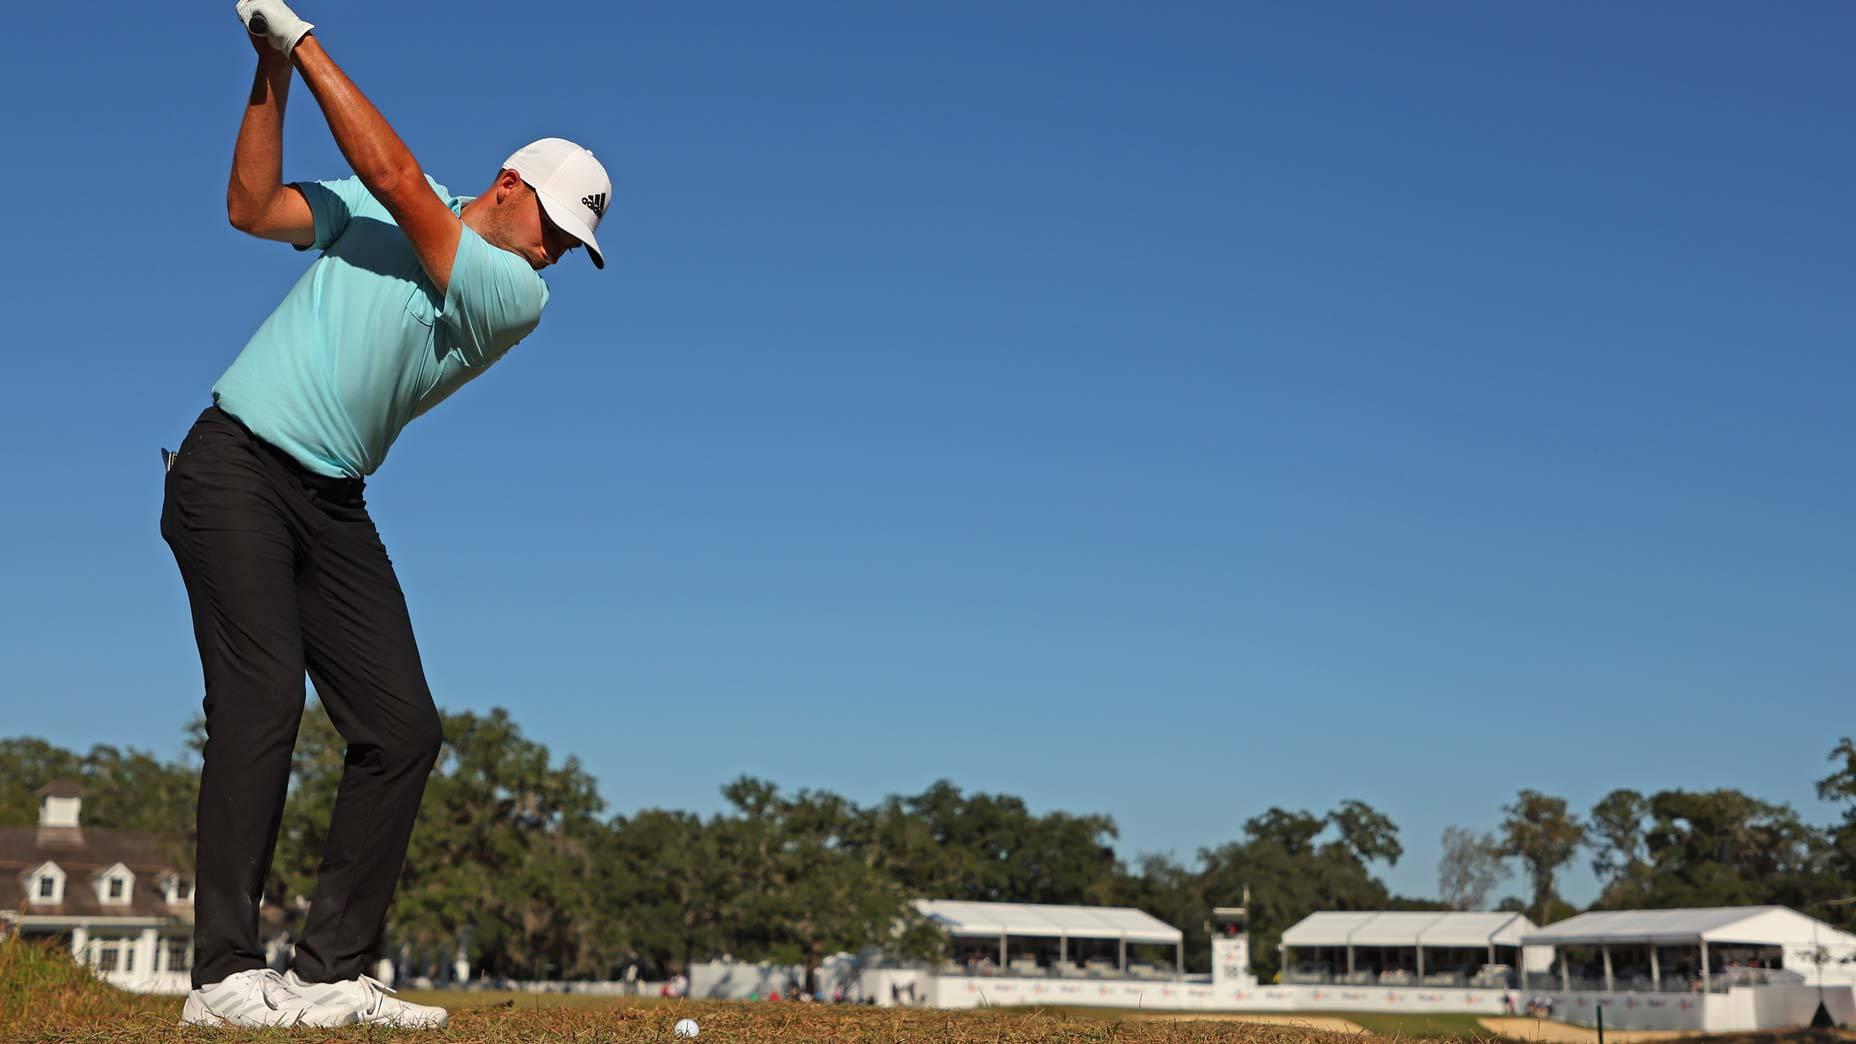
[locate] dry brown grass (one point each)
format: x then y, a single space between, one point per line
45 997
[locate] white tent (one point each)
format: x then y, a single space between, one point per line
1414 930
1406 928
1797 937
1125 924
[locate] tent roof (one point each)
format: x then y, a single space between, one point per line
1729 924
959 917
1407 928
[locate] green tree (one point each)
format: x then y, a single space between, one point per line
27 764
505 846
1291 872
1367 833
1839 856
1724 848
1615 833
987 847
1541 833
813 887
665 882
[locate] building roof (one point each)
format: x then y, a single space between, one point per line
959 917
82 854
61 788
1407 928
1756 925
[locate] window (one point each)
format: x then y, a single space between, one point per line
114 885
106 956
180 955
128 958
48 886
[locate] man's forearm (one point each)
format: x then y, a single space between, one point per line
377 155
258 156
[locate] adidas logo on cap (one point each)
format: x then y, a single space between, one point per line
595 203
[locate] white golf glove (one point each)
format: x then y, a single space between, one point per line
273 20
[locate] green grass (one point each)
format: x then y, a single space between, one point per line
1448 1026
1443 1026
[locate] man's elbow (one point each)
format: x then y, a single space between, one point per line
394 183
242 213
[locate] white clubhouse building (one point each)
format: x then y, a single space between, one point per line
111 896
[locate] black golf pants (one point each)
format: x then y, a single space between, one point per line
285 572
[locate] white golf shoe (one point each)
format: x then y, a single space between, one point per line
371 1001
258 997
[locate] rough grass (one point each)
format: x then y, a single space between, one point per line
46 997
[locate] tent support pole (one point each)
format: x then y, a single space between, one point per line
1656 970
1565 975
1179 958
1122 957
1707 984
1001 953
1063 950
1610 984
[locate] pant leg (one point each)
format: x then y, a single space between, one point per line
365 662
235 543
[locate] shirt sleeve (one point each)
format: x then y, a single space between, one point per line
332 203
492 301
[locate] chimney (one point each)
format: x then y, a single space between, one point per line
59 806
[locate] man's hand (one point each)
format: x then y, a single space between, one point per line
274 21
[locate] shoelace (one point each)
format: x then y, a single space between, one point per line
376 989
273 989
275 992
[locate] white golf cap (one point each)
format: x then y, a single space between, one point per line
573 187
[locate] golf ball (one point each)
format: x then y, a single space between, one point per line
686 1028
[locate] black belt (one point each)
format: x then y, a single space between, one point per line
331 486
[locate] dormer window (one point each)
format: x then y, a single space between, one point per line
115 886
45 885
176 889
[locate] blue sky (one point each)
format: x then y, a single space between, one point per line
1162 411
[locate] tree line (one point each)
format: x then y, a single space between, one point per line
515 860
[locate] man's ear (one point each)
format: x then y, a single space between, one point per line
508 183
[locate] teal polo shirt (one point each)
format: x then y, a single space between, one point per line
363 342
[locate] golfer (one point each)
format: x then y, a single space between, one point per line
415 291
